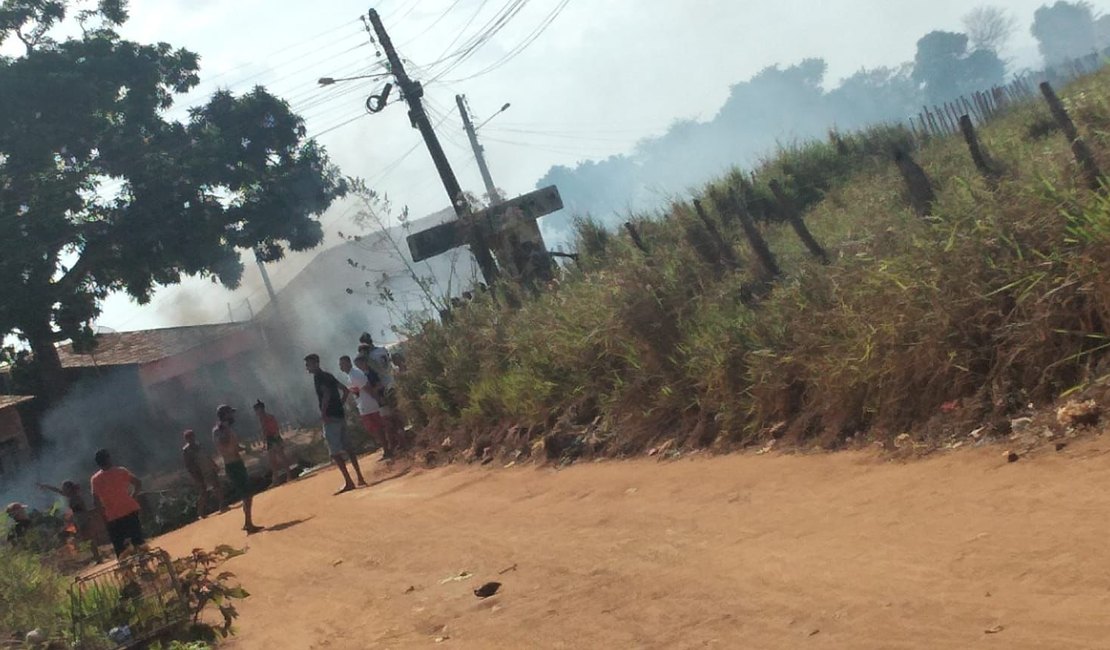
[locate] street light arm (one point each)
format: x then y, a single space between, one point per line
503 109
327 81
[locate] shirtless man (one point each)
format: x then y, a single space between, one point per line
227 443
202 469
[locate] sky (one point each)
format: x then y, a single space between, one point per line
603 75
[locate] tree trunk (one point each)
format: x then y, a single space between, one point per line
47 363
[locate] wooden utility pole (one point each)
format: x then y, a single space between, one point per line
479 152
412 92
265 280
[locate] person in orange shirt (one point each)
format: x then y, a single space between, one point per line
113 491
275 446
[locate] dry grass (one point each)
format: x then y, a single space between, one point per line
1001 297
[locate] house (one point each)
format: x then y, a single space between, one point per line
368 284
174 374
14 445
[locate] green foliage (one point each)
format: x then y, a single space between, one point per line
100 191
204 586
1001 297
32 595
947 68
1065 30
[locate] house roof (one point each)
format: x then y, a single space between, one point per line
7 401
145 346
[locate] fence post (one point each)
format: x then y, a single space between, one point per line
972 139
755 239
726 252
794 216
1079 148
922 196
635 235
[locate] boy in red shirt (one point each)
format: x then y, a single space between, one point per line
275 446
114 490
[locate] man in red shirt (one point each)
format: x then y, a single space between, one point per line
113 491
275 446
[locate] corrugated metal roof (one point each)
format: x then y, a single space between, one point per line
145 346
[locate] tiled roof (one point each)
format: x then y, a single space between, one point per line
144 346
11 400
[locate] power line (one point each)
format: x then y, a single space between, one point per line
434 23
286 49
523 45
480 38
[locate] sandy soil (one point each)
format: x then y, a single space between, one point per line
828 551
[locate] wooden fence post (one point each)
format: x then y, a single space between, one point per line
755 239
922 196
725 249
972 139
1079 148
635 235
794 216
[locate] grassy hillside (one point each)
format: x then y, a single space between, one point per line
999 298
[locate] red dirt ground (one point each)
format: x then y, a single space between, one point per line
840 550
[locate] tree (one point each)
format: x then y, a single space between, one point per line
946 69
989 28
936 65
872 96
1064 31
101 192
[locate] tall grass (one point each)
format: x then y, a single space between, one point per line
1000 297
32 595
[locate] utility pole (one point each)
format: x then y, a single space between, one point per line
479 152
265 280
412 92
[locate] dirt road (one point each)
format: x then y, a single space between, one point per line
827 551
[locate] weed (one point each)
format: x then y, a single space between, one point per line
999 297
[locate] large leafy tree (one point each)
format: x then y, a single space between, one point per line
101 191
946 68
1065 30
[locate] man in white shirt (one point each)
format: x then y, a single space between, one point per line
365 385
382 364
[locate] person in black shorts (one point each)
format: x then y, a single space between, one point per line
202 469
227 443
113 490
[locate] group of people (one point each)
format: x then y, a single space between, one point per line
370 381
113 515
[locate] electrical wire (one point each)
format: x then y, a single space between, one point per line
472 44
434 23
523 45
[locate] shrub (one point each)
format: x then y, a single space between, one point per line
999 297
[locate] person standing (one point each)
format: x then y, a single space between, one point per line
227 444
88 521
382 364
114 490
202 469
330 395
275 446
366 387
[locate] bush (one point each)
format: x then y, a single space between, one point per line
998 298
32 595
